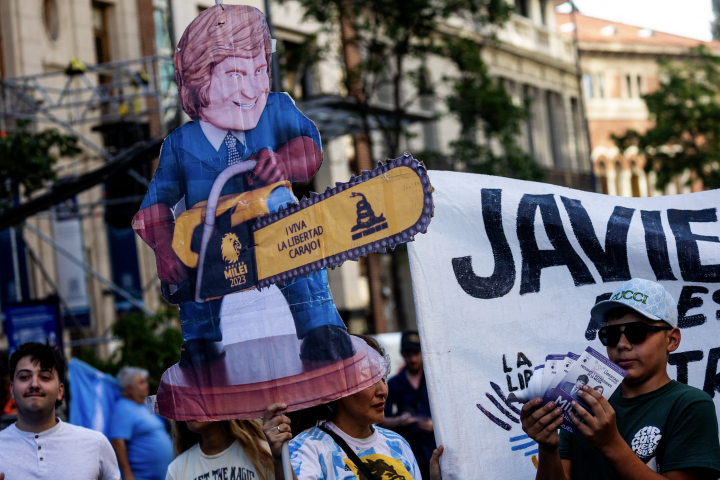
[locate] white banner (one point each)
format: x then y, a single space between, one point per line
507 274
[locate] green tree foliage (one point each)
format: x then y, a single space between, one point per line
686 111
481 103
27 158
394 39
149 342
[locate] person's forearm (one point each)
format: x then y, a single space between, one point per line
549 464
626 463
122 458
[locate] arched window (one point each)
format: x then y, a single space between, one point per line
635 179
602 178
618 179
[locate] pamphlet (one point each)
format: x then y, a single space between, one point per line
562 368
592 369
552 368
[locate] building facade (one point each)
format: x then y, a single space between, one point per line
619 65
534 60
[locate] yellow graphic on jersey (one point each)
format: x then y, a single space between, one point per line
383 467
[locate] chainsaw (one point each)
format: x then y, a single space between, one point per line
236 242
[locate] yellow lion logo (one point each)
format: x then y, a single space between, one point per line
231 248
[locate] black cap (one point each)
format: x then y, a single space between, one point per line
410 341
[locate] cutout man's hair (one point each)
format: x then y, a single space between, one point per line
219 32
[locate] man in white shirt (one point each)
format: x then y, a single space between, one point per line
39 445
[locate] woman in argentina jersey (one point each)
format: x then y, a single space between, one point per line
316 456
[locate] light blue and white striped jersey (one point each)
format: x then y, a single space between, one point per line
315 455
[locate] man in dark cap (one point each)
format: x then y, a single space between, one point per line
407 409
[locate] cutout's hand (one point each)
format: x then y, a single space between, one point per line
600 430
276 428
542 424
170 269
270 167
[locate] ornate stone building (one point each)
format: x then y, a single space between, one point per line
619 65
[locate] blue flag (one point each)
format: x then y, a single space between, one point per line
92 396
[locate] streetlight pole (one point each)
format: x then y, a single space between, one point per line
581 95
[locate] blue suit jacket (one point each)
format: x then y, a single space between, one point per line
189 164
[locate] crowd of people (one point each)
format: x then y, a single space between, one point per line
384 431
140 447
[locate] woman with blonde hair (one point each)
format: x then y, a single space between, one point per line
237 448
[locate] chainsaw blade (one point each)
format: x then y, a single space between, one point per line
392 204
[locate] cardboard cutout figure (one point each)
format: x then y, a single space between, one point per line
222 220
222 69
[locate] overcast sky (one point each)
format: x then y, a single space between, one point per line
689 18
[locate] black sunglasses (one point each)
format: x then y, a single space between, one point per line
635 332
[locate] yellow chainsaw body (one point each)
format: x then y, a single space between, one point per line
244 206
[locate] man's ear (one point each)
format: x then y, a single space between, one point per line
61 392
12 392
674 339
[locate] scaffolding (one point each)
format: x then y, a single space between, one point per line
129 91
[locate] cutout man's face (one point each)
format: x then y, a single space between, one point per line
238 93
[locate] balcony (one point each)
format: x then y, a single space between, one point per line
522 33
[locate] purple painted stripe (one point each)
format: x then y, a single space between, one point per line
502 396
501 408
494 419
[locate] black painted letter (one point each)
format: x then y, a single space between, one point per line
656 244
688 302
503 277
688 253
681 360
712 376
593 326
534 259
611 263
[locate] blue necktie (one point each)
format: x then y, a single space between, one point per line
233 154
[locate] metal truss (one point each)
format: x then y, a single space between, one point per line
127 90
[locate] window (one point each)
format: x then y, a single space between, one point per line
163 45
601 86
639 85
522 7
100 33
628 79
602 178
587 83
528 95
296 67
634 179
543 12
51 17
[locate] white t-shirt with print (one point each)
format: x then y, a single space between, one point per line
231 464
315 455
64 451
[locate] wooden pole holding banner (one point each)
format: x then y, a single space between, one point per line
363 161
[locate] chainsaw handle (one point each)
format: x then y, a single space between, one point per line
220 181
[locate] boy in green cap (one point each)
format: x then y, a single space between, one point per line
651 421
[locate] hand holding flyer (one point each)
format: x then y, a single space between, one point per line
592 369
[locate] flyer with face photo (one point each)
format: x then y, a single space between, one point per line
592 369
553 365
561 369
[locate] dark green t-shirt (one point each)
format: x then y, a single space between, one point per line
673 428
